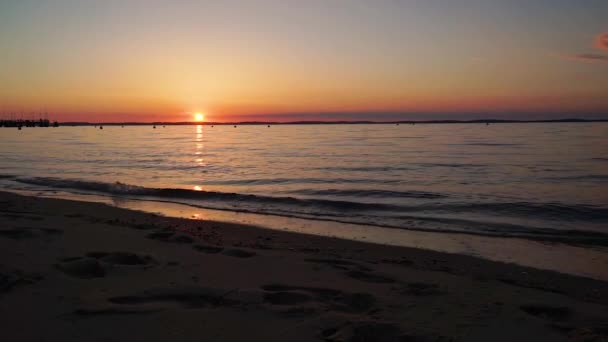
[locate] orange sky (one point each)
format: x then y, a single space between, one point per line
157 61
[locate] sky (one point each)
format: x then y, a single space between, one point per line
128 60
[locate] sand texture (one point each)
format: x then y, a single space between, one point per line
76 271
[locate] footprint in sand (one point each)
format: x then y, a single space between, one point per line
239 253
332 299
158 299
371 330
105 311
362 331
21 233
122 258
422 289
94 264
169 236
190 297
354 270
339 264
286 298
369 277
553 313
84 268
14 278
16 234
208 249
22 217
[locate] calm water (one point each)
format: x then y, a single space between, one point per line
532 180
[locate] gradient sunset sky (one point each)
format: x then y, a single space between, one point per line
86 60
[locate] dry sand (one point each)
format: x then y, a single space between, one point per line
76 271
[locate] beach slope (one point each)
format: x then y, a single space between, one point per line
76 271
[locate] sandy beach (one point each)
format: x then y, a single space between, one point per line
76 271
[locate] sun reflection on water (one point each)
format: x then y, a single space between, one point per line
198 151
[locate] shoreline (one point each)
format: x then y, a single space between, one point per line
68 267
580 260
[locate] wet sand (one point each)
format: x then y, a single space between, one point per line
75 271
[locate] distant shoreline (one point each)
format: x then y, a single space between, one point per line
253 123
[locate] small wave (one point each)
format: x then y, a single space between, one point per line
265 181
457 225
581 178
543 210
551 211
409 211
488 144
454 165
361 168
369 193
111 188
126 189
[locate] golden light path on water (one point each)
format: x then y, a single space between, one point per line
199 151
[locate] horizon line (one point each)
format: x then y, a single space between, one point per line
323 122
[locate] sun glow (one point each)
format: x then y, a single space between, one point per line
199 117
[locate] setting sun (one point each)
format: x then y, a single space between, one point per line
199 117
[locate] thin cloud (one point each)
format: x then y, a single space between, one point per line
590 57
600 43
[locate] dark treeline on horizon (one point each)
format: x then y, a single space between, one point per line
28 123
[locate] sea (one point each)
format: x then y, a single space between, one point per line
538 181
